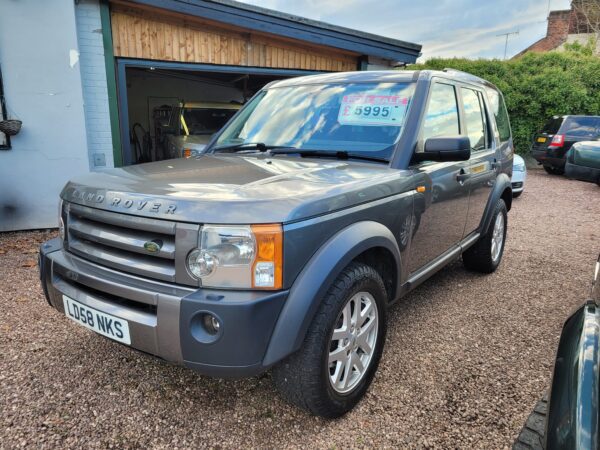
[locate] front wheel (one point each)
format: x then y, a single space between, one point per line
332 371
532 434
485 255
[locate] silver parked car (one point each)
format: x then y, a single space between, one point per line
519 176
192 125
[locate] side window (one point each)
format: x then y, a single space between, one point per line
474 118
441 118
585 127
498 109
4 138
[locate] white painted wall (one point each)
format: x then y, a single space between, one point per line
583 39
42 86
95 91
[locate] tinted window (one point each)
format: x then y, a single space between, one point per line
581 126
441 118
553 125
498 108
474 118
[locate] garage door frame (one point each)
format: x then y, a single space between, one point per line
125 63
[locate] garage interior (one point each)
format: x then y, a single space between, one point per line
154 94
201 60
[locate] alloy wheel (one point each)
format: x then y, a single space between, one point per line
497 237
353 342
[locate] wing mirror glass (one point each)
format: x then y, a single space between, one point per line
448 148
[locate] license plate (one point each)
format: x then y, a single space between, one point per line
110 326
541 140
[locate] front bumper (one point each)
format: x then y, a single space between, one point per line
165 319
518 180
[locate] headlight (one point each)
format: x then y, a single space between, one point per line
238 256
519 167
191 152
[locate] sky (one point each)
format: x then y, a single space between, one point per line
445 28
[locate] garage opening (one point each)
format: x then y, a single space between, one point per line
171 110
173 113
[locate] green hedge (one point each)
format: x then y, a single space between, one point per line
537 86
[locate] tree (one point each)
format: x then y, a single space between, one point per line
585 19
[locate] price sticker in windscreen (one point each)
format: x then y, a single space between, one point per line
372 110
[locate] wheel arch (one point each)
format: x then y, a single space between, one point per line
573 410
502 190
363 241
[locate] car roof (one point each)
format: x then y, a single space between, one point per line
588 144
380 76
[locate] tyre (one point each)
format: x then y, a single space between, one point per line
485 255
531 436
332 371
554 170
517 194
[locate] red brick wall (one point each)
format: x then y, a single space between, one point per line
558 29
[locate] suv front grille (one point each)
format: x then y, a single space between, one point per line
118 241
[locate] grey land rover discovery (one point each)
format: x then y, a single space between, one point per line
322 202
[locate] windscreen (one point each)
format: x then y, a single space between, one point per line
361 118
206 120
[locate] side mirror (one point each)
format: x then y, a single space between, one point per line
450 148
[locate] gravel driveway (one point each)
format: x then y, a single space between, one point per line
467 356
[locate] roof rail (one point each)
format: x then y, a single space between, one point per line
465 74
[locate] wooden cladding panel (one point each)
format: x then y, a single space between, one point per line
151 35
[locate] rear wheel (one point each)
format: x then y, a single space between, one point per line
331 372
554 170
485 255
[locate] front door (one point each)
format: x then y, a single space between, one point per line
441 210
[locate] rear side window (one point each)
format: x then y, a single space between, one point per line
581 126
474 118
498 108
441 118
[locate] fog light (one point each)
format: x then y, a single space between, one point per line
211 324
264 274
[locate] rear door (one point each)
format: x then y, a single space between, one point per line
440 212
483 164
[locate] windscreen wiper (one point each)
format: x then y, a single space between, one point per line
344 155
260 146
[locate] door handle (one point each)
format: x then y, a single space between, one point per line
462 176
